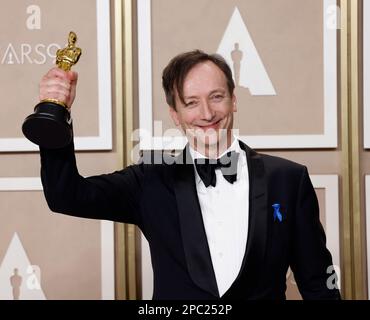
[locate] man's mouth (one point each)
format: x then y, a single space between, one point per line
213 126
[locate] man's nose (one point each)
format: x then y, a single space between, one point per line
207 112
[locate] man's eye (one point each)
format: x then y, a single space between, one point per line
217 97
190 103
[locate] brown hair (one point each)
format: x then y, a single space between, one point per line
178 68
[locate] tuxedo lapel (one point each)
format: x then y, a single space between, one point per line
258 217
193 233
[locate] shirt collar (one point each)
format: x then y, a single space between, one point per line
233 147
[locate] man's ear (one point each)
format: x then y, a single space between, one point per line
174 115
233 100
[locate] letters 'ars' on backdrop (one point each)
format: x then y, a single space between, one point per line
32 31
282 54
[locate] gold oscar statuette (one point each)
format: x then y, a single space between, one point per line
50 126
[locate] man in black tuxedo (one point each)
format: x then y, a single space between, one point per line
222 220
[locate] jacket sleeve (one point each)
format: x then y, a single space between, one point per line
310 257
114 196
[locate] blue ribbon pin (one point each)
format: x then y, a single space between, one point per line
277 213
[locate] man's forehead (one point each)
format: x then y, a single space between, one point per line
204 67
204 77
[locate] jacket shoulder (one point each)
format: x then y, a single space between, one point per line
278 163
154 165
272 163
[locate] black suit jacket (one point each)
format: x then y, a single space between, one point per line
161 199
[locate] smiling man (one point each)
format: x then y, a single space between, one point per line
201 97
222 220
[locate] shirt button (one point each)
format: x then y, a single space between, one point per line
220 254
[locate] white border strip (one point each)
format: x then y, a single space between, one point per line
145 68
107 233
19 184
331 185
367 204
326 140
366 85
104 140
107 260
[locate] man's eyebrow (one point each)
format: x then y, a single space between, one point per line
190 97
218 90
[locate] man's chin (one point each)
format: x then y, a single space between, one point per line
204 142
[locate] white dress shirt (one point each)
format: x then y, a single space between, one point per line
225 210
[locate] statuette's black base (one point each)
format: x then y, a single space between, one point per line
49 126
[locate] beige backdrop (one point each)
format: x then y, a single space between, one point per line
67 249
288 35
26 55
27 164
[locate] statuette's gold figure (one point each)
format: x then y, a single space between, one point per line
69 55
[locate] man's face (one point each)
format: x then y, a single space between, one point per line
207 115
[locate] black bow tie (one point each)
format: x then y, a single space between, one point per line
227 163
